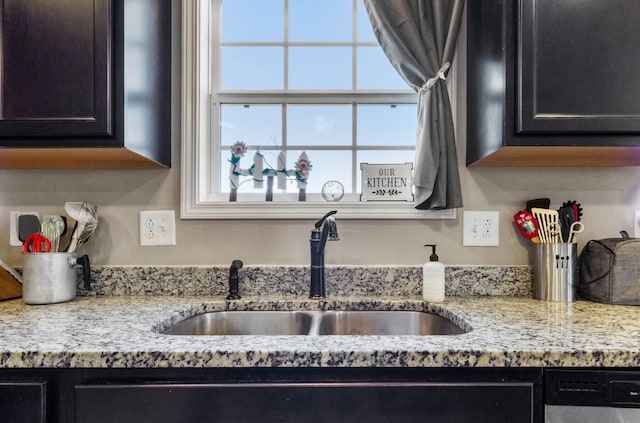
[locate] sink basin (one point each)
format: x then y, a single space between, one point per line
244 323
315 323
386 323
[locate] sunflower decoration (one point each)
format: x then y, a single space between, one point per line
303 166
238 149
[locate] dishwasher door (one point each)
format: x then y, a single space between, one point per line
582 414
592 396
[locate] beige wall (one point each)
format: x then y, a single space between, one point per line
609 197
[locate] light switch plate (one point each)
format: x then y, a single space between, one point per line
157 228
481 229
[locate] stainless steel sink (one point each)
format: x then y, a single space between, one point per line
316 323
386 323
244 323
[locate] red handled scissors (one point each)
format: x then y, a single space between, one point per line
36 243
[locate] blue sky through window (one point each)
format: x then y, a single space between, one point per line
318 52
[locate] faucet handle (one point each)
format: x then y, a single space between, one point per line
319 223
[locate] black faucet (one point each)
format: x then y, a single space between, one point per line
233 280
325 229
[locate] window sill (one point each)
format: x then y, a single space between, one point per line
310 210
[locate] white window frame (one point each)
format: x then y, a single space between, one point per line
197 157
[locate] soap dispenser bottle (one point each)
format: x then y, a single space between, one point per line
433 278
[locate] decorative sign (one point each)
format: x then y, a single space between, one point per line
386 182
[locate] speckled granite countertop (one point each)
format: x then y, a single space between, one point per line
118 322
123 331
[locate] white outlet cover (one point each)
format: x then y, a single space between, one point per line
13 226
636 225
481 229
157 228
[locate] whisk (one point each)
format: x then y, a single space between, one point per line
86 216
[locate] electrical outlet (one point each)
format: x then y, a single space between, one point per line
481 229
636 225
13 226
157 227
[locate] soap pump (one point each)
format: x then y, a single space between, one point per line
433 278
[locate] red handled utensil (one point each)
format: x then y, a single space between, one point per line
36 243
528 225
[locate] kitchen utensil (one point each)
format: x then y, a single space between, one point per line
51 278
36 243
546 220
577 208
566 216
86 218
575 228
53 226
540 203
27 224
527 225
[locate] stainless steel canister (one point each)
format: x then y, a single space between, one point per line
555 269
48 278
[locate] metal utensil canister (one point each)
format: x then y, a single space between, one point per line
49 278
555 269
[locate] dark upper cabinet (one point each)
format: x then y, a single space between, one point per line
553 83
85 83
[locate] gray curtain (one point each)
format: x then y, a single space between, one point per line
419 38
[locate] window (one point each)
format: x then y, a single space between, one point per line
287 81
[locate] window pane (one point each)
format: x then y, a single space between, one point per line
325 20
253 20
365 32
375 72
319 125
383 124
256 125
252 68
320 68
326 165
382 157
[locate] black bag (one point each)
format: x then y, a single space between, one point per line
609 270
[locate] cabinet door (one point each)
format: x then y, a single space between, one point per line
22 402
55 68
307 402
578 66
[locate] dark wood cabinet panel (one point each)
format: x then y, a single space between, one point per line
307 402
85 80
23 401
552 84
437 395
56 68
578 66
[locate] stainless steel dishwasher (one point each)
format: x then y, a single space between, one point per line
592 396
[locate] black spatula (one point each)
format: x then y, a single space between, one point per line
27 224
540 203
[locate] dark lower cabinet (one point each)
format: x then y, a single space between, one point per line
310 395
372 402
23 401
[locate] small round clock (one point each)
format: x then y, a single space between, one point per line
332 191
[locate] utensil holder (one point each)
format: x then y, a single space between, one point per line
555 270
49 278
